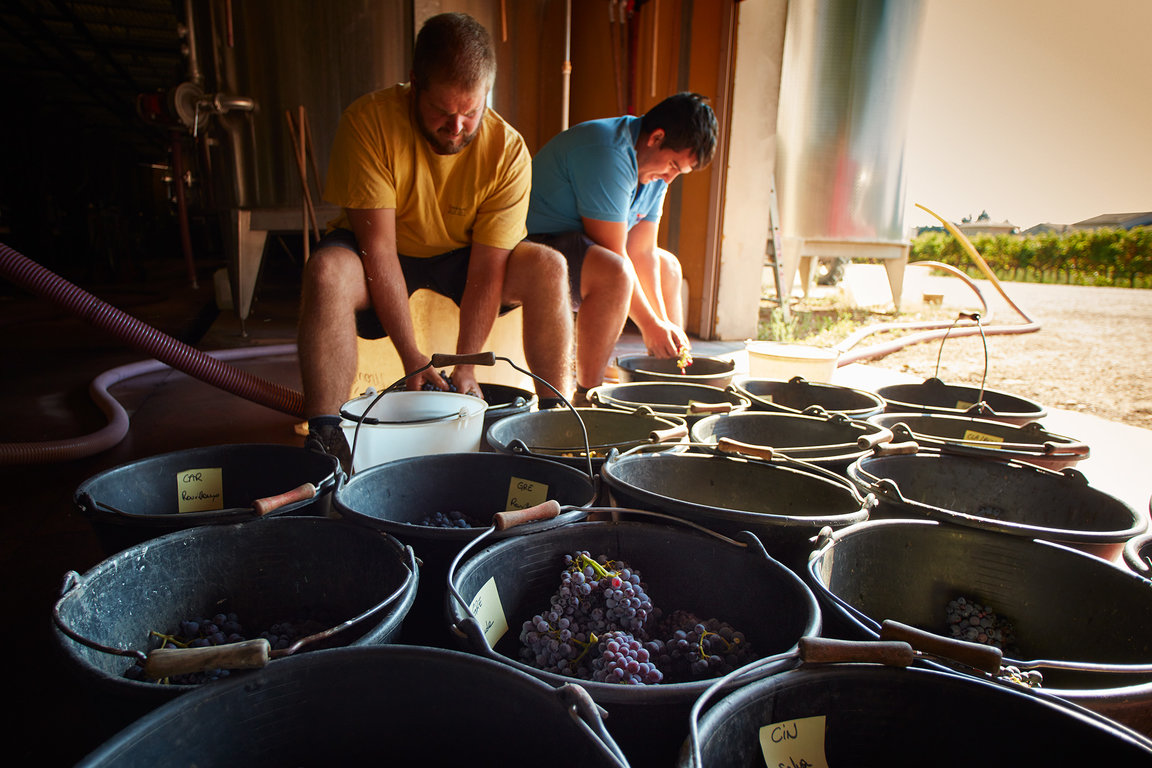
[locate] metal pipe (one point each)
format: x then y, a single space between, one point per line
566 70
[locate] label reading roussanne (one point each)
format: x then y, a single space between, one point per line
525 493
972 435
200 490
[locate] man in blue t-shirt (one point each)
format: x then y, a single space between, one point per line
597 194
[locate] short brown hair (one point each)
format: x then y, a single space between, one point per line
453 49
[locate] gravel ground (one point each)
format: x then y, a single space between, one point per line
1090 354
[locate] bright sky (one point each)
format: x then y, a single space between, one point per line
1032 110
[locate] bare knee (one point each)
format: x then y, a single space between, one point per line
534 270
332 271
605 270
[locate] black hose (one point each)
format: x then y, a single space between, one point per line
42 282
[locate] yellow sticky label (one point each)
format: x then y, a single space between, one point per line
489 612
200 490
525 493
981 437
962 406
794 743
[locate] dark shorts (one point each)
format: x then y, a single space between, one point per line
446 274
573 245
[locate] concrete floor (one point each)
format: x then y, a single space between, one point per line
51 357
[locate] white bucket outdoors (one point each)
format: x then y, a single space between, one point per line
445 422
779 361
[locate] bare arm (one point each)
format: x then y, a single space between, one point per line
478 308
662 337
375 231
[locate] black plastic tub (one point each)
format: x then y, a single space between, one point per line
831 440
985 438
277 569
798 394
1004 496
1063 605
934 396
394 705
214 485
504 401
684 568
395 496
869 715
783 502
710 371
556 433
690 402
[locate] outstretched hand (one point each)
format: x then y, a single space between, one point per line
666 340
465 380
428 378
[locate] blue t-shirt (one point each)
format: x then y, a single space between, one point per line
590 171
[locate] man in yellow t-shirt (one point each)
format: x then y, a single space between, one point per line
434 189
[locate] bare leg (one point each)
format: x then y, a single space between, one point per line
606 290
537 280
333 289
671 279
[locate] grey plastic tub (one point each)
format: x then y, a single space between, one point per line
1064 605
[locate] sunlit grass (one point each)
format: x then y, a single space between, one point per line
826 322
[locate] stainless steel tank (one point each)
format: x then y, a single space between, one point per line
845 88
279 55
844 101
252 65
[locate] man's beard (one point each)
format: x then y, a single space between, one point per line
443 144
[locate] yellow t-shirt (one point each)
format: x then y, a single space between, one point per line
442 202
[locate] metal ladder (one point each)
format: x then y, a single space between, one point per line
773 248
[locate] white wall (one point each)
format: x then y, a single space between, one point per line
752 128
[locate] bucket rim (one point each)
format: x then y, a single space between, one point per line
1033 411
816 522
877 404
849 449
572 698
470 407
870 626
568 514
1023 442
464 624
634 365
611 396
76 585
746 695
644 414
888 491
85 500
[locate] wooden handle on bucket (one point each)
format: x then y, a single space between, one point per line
986 658
695 407
874 439
823 650
677 432
514 517
1074 449
440 360
728 445
166 662
895 449
272 503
